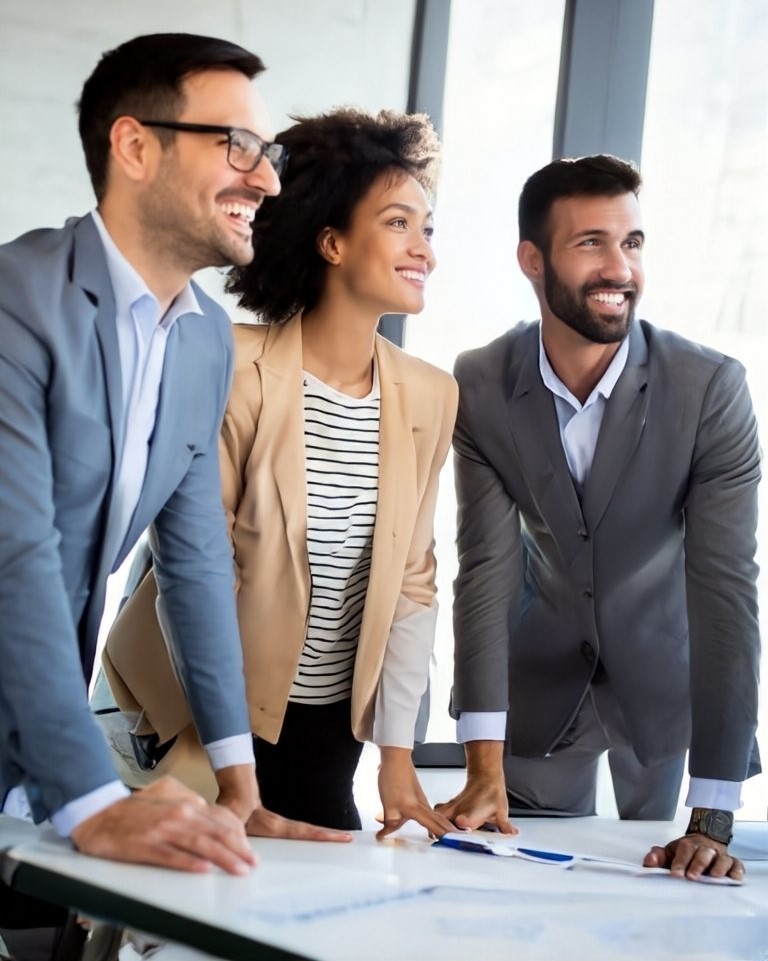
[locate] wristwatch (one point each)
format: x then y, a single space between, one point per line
716 824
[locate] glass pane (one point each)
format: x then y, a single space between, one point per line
501 85
705 203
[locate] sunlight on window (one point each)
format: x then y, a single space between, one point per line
705 206
501 85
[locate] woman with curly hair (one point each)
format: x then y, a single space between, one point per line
332 444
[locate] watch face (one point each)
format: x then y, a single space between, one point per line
717 825
718 822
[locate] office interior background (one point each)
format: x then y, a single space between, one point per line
679 86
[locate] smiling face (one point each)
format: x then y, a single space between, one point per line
593 272
197 208
384 257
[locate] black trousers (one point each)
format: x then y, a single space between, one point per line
22 911
35 930
308 774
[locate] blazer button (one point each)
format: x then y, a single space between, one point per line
587 594
583 533
587 652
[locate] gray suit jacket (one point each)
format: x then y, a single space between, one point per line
60 441
651 571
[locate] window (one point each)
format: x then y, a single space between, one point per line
705 204
501 87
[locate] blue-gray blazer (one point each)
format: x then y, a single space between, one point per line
60 442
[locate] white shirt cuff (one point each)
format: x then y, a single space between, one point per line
16 804
481 726
66 819
227 751
707 793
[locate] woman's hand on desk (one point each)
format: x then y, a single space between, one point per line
168 825
402 796
266 824
483 799
239 791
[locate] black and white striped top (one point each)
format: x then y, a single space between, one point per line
341 441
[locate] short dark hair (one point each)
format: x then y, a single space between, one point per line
601 175
143 78
334 159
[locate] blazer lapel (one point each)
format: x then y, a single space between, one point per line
281 434
90 273
175 410
395 513
532 421
620 431
397 466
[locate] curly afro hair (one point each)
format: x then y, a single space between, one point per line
334 159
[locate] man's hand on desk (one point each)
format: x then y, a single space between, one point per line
694 855
168 825
403 798
483 799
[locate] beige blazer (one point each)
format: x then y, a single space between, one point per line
264 490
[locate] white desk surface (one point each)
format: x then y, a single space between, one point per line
403 899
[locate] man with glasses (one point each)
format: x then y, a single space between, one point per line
114 373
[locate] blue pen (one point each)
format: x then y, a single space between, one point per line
545 857
480 847
484 847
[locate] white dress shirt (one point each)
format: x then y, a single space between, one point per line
579 429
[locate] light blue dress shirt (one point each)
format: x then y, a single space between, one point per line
579 429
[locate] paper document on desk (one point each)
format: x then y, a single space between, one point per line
507 846
353 891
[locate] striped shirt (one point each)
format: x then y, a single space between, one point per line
341 443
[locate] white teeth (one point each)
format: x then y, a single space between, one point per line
412 274
239 210
615 299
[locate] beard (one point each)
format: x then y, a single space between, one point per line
189 239
573 307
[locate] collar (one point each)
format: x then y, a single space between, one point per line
129 286
604 386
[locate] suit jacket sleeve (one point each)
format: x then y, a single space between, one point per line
721 576
489 548
49 739
405 669
196 604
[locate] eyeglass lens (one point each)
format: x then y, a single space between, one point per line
246 151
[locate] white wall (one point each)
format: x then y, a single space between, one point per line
319 54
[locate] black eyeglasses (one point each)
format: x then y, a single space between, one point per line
244 148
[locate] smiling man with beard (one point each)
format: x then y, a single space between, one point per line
606 598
